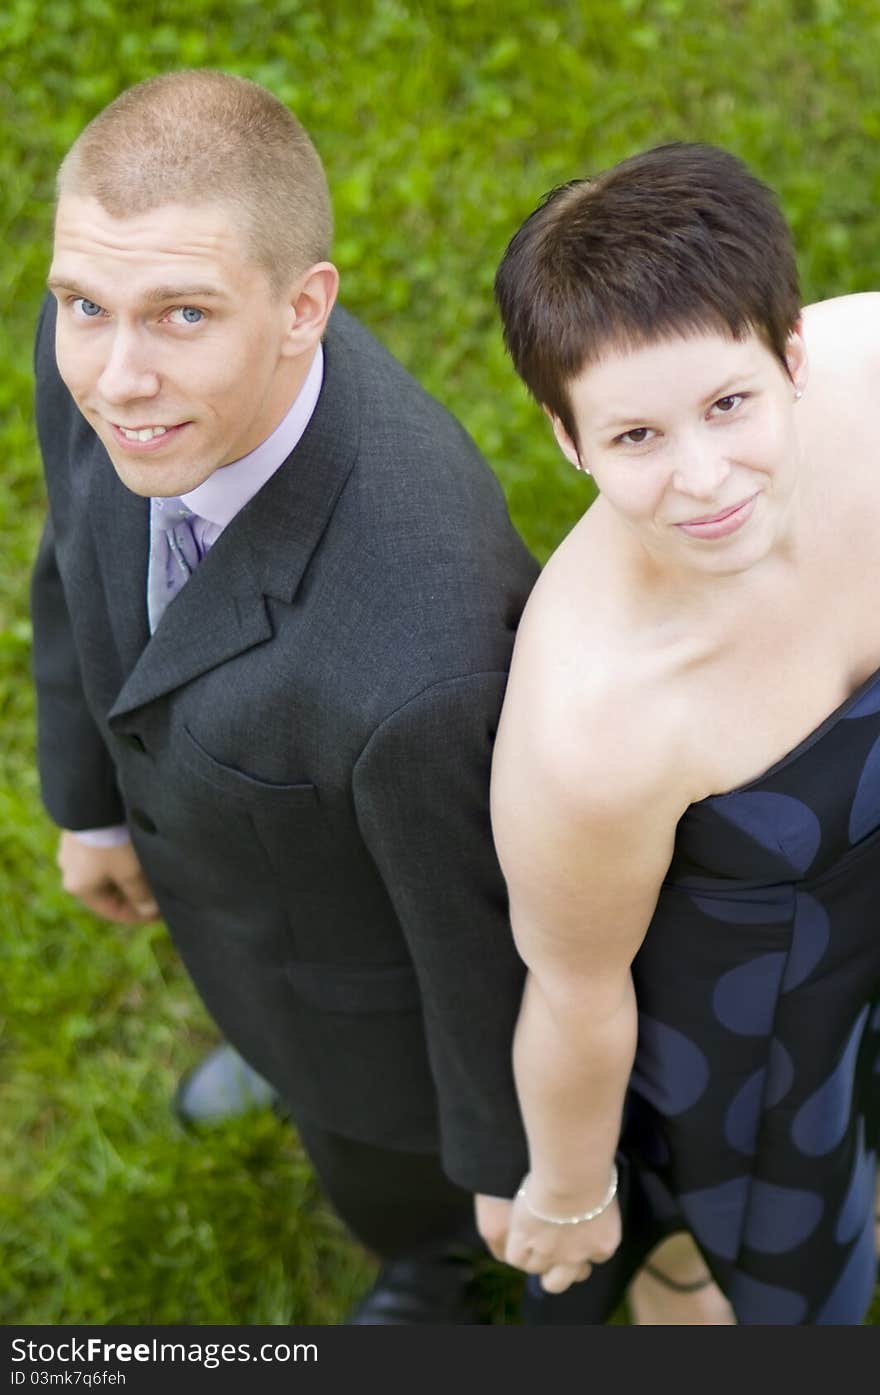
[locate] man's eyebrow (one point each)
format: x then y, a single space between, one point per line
58 283
158 295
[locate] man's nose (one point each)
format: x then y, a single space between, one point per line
128 372
700 467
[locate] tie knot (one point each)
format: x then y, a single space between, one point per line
167 513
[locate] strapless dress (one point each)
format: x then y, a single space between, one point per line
753 1106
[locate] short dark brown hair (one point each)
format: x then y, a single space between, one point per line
202 136
679 239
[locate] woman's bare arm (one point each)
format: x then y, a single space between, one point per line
585 830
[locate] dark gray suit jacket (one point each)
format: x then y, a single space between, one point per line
302 750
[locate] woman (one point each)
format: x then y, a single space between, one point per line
686 785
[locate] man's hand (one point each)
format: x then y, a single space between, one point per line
493 1222
109 881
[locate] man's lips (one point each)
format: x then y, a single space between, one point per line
136 438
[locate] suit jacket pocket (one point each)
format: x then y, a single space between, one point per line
362 988
239 783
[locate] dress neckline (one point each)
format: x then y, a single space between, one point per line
802 746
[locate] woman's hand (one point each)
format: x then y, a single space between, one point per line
561 1254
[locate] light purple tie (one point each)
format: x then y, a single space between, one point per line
174 554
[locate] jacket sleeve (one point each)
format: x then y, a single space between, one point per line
77 775
421 789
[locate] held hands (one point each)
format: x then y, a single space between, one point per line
109 881
560 1254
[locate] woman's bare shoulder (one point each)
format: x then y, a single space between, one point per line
593 718
572 605
589 781
848 323
843 356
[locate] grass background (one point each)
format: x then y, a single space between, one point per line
440 125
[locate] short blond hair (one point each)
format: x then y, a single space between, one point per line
202 136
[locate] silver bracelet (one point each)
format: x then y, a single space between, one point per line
573 1220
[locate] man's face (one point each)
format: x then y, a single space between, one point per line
171 340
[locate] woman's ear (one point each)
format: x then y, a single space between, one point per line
796 359
565 443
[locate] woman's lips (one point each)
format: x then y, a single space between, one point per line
720 525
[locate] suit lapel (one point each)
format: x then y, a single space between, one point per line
263 552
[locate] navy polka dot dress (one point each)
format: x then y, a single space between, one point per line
753 1109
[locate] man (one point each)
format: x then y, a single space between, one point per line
274 607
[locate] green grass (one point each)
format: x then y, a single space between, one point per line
440 125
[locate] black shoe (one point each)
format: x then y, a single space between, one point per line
436 1289
222 1086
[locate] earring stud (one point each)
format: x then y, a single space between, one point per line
798 394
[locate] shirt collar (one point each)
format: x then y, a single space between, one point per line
224 493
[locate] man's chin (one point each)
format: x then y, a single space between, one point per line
154 481
148 474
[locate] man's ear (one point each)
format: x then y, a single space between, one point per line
796 357
564 441
311 300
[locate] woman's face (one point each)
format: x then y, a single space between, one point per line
692 442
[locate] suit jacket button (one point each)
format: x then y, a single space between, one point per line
136 742
143 820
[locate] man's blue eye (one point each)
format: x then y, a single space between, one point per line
89 308
191 314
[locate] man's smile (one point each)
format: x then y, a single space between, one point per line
145 438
